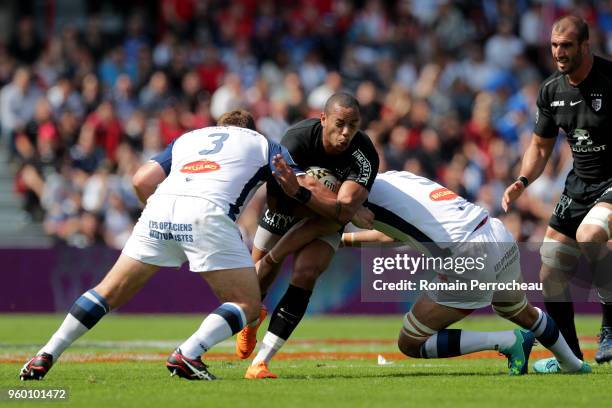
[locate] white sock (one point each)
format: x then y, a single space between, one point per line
472 342
70 330
546 331
270 345
454 342
221 324
85 312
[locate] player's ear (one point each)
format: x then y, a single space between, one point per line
323 118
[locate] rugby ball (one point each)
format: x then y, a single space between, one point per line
324 176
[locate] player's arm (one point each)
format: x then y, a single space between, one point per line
341 208
146 179
352 239
538 152
149 175
534 161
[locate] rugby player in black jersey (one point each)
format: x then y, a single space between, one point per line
578 99
334 142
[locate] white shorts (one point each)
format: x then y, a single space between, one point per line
174 229
502 265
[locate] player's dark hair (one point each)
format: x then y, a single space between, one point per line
343 99
237 117
582 28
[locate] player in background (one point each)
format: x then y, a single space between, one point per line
576 99
191 217
428 217
335 142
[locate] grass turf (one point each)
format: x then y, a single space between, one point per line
304 381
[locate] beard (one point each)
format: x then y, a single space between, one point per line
572 63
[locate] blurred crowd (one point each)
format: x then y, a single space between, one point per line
447 90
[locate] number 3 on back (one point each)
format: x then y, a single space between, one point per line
217 142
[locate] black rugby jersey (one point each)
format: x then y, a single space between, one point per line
358 163
583 112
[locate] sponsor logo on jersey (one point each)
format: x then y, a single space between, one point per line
442 194
365 167
200 166
584 143
557 103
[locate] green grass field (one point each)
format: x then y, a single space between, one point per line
330 361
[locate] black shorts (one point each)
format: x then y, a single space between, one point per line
576 201
277 223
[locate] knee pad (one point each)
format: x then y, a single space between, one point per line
415 329
599 216
549 254
508 312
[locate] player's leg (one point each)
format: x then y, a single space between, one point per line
264 240
545 330
560 255
593 235
238 291
424 335
309 264
124 280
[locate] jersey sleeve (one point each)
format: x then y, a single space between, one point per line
544 122
365 164
295 142
164 158
274 149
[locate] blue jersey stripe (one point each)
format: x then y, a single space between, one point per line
263 174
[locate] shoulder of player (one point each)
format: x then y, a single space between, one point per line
303 127
362 141
552 82
603 66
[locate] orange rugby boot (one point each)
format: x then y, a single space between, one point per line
247 337
259 371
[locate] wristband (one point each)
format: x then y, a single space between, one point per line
303 195
523 180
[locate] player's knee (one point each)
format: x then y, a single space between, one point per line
509 310
558 255
596 225
408 345
412 335
588 233
305 275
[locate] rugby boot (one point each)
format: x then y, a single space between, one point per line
37 367
259 371
518 353
191 369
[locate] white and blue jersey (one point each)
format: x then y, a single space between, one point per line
222 164
414 209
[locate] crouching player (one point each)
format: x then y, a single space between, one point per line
415 210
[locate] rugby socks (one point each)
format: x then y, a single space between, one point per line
563 314
284 320
548 334
270 345
225 321
606 316
86 311
454 342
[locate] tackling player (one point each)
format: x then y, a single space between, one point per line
191 217
575 99
426 216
